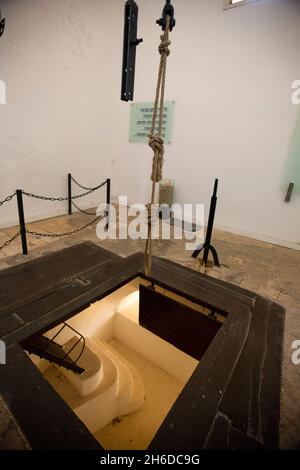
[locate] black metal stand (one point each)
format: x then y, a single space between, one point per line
108 189
69 193
207 247
22 221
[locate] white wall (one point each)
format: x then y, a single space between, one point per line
58 116
230 73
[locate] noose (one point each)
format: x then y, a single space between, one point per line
156 141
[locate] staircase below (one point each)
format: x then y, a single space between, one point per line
108 388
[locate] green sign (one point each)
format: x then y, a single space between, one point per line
141 121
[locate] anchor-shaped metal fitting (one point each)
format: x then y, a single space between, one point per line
167 11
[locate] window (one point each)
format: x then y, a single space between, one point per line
236 3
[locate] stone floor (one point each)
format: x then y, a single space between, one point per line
136 431
263 268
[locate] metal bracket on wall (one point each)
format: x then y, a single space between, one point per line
2 24
289 192
129 50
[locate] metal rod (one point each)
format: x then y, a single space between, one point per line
108 196
55 336
216 188
22 221
69 193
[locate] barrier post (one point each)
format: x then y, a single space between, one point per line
108 181
210 224
22 221
69 194
207 247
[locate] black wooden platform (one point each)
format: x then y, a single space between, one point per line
232 400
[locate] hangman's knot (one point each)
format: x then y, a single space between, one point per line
164 46
156 143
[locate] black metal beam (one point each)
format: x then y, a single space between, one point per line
129 50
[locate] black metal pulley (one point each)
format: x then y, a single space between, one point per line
167 11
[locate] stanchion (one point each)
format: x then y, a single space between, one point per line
107 201
22 221
207 247
69 193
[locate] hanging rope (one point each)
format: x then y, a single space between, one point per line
156 141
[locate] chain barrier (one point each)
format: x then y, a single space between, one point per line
44 198
64 234
85 188
8 242
61 199
7 199
83 211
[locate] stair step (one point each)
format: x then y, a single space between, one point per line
65 383
131 390
124 381
91 378
138 388
120 391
